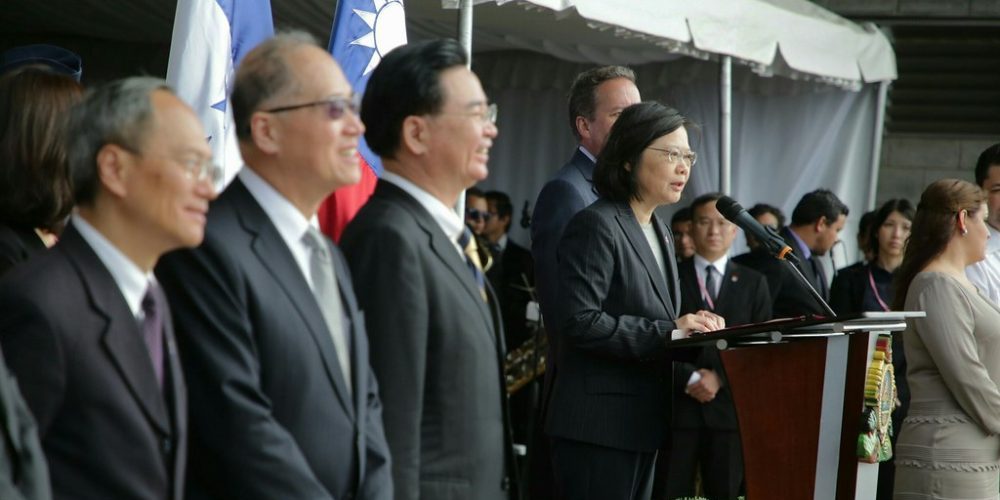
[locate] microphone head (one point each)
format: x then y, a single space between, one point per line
728 207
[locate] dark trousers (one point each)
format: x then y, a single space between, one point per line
585 471
721 459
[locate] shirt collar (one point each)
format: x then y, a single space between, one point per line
287 219
445 216
806 252
719 265
993 244
502 242
588 154
131 281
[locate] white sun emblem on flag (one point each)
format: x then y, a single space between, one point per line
388 29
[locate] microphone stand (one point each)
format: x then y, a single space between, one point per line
778 249
812 290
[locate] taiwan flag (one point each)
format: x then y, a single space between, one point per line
363 32
210 38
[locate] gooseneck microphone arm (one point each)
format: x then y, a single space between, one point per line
812 290
772 241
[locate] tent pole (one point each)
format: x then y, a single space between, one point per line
883 88
725 124
465 29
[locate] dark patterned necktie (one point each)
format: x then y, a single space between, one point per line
710 283
152 329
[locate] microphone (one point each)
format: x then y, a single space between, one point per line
770 238
526 215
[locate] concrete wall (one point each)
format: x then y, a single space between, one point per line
913 8
909 163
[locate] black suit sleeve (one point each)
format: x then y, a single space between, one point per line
35 356
762 302
589 254
208 295
842 292
378 474
391 289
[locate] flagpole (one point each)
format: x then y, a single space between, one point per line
465 30
464 38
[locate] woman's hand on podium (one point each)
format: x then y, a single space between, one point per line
701 322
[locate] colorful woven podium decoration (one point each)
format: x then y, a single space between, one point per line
880 399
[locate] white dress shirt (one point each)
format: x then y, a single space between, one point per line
131 281
985 274
700 263
445 216
287 219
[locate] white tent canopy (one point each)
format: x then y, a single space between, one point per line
792 38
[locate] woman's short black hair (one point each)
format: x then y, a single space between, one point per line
637 127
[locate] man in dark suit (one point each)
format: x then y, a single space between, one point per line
816 223
705 431
283 402
85 326
513 272
597 97
436 342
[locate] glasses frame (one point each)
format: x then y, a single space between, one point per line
195 170
675 156
336 106
488 115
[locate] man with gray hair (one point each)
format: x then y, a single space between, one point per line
85 327
284 404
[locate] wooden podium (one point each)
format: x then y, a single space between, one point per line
798 388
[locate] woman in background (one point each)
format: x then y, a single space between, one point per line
868 287
949 446
35 191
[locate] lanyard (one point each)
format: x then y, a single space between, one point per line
871 283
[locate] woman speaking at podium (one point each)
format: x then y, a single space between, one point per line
610 405
949 446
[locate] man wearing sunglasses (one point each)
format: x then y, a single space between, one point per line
283 401
435 344
477 213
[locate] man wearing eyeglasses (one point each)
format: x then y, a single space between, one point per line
85 327
436 338
705 436
597 98
283 402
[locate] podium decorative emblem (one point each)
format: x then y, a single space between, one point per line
874 443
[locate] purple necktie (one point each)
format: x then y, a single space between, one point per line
152 329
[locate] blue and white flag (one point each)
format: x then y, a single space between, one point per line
209 40
363 31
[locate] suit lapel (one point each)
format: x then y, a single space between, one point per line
178 397
442 247
122 337
267 244
672 278
633 233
